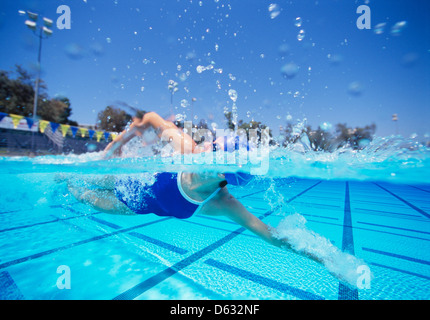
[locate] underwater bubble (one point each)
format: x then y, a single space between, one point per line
289 117
355 89
379 28
289 70
233 95
301 35
398 28
298 22
274 10
108 40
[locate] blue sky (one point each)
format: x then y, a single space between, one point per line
128 50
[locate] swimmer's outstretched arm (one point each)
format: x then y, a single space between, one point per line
226 205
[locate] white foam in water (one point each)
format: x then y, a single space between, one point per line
344 266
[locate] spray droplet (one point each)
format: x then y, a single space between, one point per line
274 10
233 95
200 69
301 35
379 28
184 103
398 28
326 126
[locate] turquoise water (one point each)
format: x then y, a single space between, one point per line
372 203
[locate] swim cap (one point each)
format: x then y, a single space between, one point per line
238 178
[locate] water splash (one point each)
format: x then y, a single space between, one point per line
392 159
298 237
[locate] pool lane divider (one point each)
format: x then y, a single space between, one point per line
149 283
345 292
425 214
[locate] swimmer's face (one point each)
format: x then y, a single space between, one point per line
209 177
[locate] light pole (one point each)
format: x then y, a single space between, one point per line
395 119
42 31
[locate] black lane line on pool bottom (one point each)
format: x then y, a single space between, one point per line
142 287
404 201
75 244
345 292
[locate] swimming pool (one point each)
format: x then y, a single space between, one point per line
46 234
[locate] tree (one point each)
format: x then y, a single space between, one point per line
113 119
17 97
324 140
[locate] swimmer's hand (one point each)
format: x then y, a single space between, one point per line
113 149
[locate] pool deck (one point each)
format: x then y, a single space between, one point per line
117 257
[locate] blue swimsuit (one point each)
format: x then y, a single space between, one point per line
159 193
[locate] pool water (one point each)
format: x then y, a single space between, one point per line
52 247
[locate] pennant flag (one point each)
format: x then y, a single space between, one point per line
91 133
42 125
2 115
54 126
64 129
99 135
30 122
74 131
107 135
16 119
83 132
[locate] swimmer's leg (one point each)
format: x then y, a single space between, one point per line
100 181
101 200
